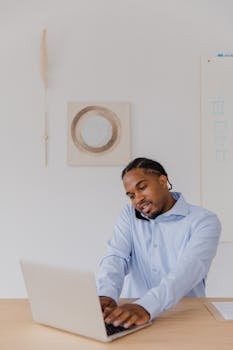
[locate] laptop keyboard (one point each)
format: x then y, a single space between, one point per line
112 329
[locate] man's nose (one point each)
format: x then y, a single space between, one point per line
139 197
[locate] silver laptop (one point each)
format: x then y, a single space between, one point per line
66 298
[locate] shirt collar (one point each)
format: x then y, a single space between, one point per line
180 208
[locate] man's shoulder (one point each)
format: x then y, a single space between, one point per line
195 209
199 210
126 213
127 208
200 215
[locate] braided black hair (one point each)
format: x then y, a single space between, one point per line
147 164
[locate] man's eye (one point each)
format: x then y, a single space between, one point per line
131 196
142 187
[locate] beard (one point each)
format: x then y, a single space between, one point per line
154 215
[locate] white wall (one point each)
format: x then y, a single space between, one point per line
146 52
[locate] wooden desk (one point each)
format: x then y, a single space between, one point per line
188 326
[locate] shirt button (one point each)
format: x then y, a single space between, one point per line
155 245
154 269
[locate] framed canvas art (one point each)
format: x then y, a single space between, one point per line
98 133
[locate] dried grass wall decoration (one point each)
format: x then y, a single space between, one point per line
44 76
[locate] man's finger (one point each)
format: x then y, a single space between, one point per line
107 311
130 321
113 315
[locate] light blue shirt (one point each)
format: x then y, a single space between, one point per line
163 259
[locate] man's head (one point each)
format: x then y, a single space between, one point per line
146 184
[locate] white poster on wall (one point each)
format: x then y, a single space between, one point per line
217 140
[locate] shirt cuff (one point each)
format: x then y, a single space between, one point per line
150 304
108 292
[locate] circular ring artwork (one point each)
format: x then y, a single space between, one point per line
95 129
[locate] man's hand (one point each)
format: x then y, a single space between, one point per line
127 315
107 305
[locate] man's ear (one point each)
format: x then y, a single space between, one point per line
163 181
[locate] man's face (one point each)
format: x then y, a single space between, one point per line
148 192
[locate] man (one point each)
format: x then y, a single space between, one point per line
161 243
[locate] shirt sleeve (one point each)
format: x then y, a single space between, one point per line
114 265
192 266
